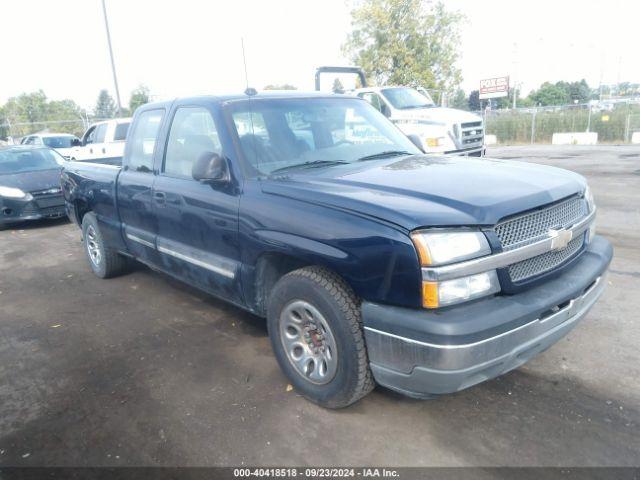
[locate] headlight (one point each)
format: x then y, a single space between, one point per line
434 141
588 196
441 248
440 294
10 192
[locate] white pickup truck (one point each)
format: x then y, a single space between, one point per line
104 140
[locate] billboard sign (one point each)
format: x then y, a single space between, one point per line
494 87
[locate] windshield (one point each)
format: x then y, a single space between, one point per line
404 98
58 142
19 160
277 134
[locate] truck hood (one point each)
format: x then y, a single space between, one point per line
437 114
32 181
427 191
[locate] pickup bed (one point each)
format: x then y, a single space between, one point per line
372 262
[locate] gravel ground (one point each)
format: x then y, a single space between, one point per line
142 370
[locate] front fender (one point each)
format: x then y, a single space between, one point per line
376 259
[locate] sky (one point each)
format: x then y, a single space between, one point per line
190 47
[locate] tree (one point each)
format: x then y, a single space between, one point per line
139 97
474 101
284 86
105 106
32 112
459 100
550 94
337 86
406 42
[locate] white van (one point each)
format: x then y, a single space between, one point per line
104 140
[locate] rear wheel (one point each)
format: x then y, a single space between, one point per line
105 262
316 333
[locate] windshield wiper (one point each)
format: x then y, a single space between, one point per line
311 164
386 153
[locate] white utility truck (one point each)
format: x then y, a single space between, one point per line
439 129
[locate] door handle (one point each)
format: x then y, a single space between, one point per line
159 197
91 150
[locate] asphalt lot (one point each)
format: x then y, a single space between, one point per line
142 370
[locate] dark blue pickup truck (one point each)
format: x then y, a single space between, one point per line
372 262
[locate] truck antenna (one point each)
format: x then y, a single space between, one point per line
249 91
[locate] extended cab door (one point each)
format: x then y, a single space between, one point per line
135 185
197 222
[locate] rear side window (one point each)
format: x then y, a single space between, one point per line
143 140
192 135
121 132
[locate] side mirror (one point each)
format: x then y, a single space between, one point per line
415 139
211 168
76 142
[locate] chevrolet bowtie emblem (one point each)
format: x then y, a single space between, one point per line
560 238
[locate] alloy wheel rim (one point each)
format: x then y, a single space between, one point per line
308 342
93 248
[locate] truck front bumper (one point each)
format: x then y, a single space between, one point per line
469 152
423 353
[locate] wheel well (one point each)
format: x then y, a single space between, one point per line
81 210
269 269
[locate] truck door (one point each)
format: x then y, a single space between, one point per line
135 184
85 150
197 222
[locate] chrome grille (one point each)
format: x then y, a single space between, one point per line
531 227
534 226
545 262
471 134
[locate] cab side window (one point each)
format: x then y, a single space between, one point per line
89 137
100 133
192 135
143 140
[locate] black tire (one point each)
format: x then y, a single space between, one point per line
340 309
110 263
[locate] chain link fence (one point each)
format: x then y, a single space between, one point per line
614 123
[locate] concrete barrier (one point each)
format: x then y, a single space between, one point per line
635 138
575 138
490 139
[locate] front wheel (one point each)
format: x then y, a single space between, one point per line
316 333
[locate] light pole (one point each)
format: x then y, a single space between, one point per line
113 64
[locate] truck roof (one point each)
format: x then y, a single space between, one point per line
227 97
378 89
